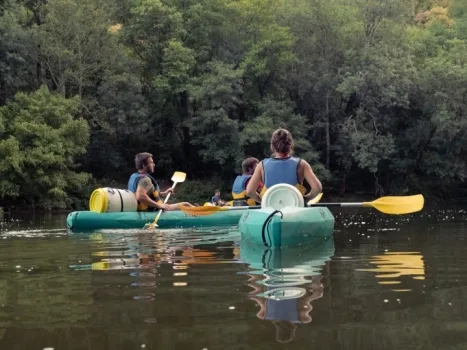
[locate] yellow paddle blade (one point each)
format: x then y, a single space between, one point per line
397 204
316 199
178 176
202 211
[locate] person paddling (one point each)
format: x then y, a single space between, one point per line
239 195
283 168
146 188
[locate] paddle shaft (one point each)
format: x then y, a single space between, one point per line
165 202
395 205
356 204
350 204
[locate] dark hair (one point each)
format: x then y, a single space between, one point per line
218 190
281 141
141 159
248 163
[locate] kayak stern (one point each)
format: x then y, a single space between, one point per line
288 227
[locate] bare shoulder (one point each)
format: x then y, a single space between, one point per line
304 164
145 183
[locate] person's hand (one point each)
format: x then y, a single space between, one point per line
167 191
164 207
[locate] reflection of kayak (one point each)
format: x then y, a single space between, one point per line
308 258
88 220
285 281
288 227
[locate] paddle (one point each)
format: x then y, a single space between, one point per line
316 199
177 177
209 210
387 205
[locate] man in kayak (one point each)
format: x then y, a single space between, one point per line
216 199
283 168
239 195
146 188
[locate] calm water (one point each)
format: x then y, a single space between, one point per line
381 283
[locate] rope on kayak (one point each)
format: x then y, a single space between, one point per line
266 227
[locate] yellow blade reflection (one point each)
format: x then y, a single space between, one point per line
392 265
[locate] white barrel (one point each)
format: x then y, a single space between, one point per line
282 195
107 200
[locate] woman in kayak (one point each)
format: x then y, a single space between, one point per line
282 168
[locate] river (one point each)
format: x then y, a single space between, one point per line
381 282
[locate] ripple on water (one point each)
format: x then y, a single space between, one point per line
145 297
35 233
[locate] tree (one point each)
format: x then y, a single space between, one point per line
39 142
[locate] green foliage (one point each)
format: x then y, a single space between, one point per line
16 48
74 44
38 148
201 191
374 92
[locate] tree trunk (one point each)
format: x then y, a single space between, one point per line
328 136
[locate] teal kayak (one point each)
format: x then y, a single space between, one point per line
288 227
89 220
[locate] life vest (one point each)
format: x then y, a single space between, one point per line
281 171
239 191
155 196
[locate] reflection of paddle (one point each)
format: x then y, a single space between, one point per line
386 205
178 176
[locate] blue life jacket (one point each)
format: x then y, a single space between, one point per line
286 310
133 185
281 171
239 191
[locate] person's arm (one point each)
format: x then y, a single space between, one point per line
167 191
144 185
258 189
312 180
254 182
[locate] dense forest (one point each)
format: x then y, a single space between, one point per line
373 91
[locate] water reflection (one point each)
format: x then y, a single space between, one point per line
146 255
391 266
284 283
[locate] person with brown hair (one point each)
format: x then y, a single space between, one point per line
239 186
283 168
146 188
216 199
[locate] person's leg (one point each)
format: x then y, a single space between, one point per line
176 206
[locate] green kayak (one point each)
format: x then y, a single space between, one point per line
288 227
88 220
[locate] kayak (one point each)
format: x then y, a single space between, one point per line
288 226
89 220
